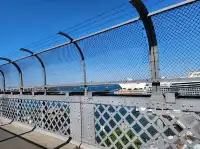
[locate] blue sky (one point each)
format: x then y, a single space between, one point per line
26 21
112 56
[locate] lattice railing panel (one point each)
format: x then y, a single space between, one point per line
56 117
30 112
9 108
51 116
119 127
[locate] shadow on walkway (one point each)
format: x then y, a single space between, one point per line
10 140
63 144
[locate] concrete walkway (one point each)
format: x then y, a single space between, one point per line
13 137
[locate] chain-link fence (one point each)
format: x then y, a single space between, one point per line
122 55
178 38
11 76
31 71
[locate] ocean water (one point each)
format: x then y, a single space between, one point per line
97 88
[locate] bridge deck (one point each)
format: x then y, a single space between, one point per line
15 137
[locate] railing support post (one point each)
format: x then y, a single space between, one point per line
1 108
160 138
82 59
18 107
152 41
43 111
88 120
75 120
18 69
42 64
3 81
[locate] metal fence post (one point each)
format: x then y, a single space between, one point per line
3 81
17 110
18 69
152 41
88 120
160 138
42 64
1 104
43 111
75 120
82 59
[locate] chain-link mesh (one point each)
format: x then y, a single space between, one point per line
177 32
11 76
63 65
47 43
117 55
32 72
122 14
120 127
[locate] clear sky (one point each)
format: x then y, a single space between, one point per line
26 21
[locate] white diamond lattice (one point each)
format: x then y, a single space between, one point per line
52 116
120 127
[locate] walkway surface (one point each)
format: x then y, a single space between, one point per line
15 137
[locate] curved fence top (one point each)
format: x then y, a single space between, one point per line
11 76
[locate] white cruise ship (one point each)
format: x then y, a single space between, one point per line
185 88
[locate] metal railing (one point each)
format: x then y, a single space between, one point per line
109 121
165 42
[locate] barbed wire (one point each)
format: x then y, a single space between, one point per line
50 38
104 23
93 22
81 23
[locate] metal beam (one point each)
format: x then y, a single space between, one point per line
41 62
82 57
18 69
3 80
152 41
